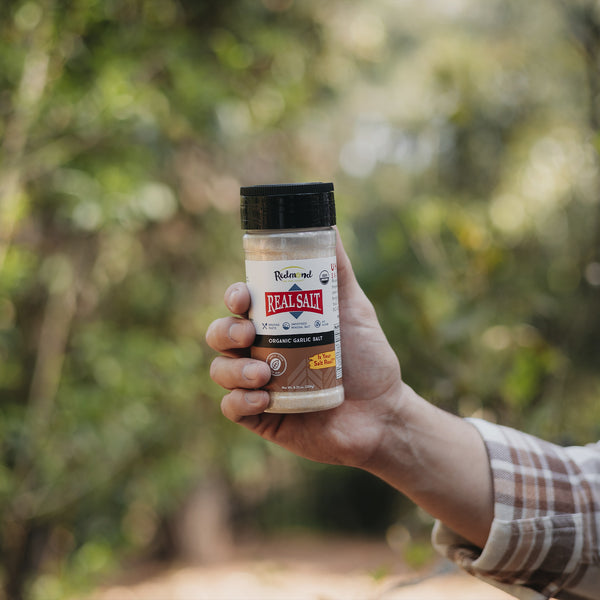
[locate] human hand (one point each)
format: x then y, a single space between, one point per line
383 426
348 434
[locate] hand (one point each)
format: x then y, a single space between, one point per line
383 426
349 434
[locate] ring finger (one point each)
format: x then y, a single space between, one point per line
243 373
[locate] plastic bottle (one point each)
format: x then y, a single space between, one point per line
291 272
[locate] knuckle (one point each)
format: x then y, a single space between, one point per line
229 405
225 406
214 370
211 370
208 336
214 335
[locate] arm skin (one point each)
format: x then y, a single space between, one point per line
435 458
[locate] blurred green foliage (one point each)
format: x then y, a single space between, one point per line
462 138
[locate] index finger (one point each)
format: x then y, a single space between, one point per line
237 298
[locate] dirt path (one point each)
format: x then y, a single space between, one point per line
302 569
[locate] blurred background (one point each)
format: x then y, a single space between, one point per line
462 138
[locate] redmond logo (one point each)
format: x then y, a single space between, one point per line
292 273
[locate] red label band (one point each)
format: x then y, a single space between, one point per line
294 301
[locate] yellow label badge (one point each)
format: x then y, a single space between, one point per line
323 360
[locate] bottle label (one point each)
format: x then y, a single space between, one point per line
295 312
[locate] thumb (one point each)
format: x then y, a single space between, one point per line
348 286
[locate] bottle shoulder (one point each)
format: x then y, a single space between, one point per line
289 243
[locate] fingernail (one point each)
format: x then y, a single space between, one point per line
231 296
256 399
250 372
236 332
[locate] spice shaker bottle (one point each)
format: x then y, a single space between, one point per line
291 272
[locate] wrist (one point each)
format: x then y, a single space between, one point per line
432 457
392 459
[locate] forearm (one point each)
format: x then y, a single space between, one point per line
440 462
544 534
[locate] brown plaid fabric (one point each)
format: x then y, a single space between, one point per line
545 537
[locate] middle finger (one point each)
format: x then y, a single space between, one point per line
230 333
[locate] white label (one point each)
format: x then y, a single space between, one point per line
294 303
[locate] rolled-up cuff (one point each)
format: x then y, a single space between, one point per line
542 541
484 563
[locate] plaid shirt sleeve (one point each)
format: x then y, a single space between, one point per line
545 537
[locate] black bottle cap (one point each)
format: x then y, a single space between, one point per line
287 206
